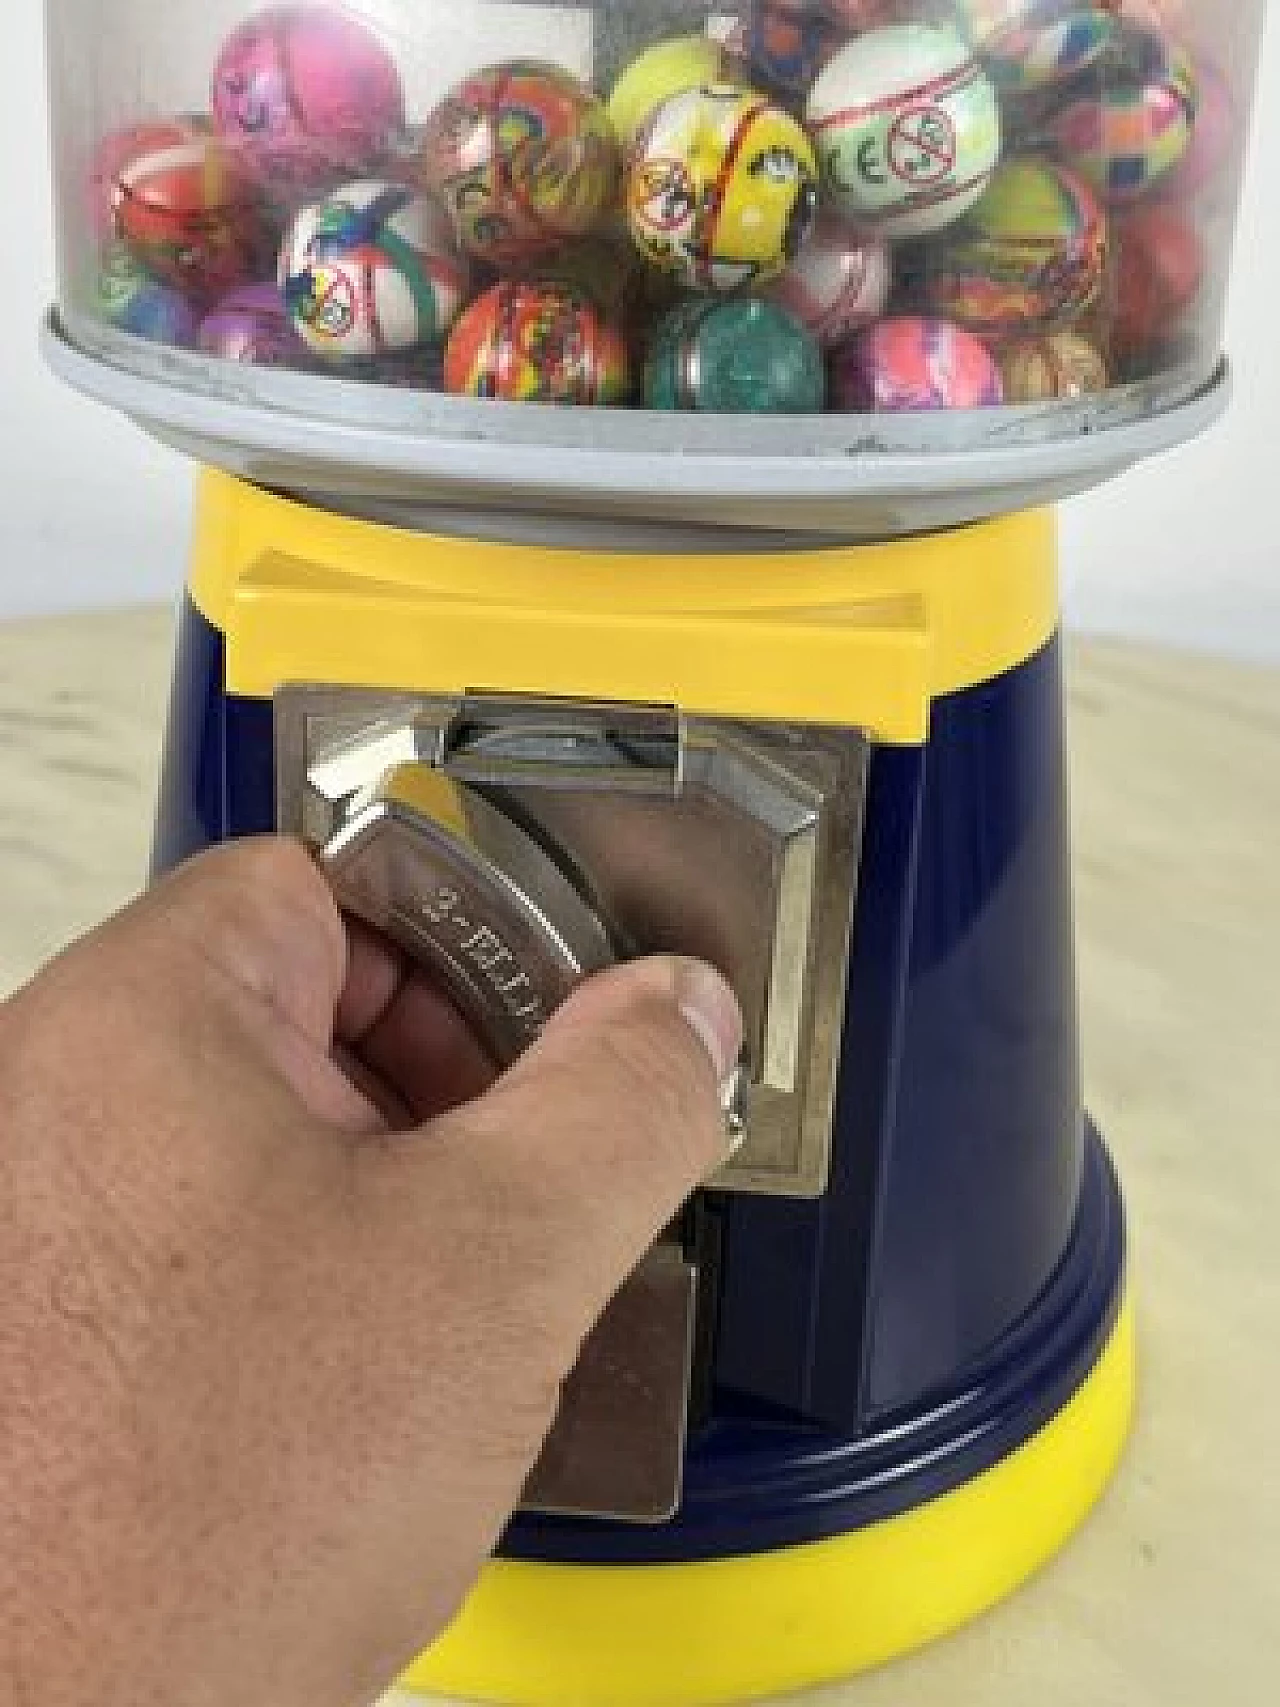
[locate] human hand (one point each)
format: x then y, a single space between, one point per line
285 1304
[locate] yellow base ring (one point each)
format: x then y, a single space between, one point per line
540 1635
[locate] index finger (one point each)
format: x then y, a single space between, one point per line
405 1031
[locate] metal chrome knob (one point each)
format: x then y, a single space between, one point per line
459 885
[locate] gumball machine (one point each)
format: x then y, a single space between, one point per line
629 435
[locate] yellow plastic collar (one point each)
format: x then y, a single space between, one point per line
861 636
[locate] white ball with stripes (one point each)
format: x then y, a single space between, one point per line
373 268
838 283
906 124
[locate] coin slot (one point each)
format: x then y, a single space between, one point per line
733 842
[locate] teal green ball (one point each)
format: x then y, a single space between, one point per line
735 357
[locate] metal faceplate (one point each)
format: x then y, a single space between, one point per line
515 847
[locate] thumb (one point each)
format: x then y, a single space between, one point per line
607 1124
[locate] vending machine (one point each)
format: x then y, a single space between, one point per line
630 432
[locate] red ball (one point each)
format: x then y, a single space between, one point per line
1158 271
185 207
115 152
536 343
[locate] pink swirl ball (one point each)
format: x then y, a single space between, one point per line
910 364
310 96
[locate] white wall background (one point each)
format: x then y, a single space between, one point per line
1183 551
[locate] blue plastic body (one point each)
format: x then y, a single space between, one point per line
884 1344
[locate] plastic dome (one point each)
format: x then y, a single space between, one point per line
814 261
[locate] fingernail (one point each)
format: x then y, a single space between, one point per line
711 1011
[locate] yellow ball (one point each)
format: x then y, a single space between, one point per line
722 188
665 69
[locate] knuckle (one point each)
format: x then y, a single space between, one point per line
663 1079
626 1110
271 872
263 913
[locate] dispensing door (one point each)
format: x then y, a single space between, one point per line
515 847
